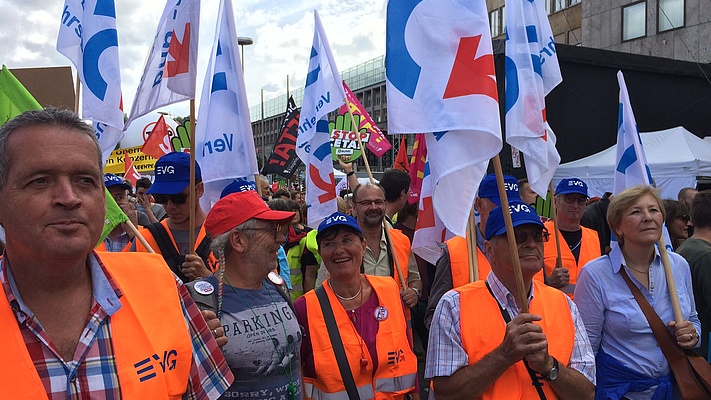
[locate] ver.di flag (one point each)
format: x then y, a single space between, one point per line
283 160
88 38
224 144
532 71
429 231
170 72
323 93
441 79
14 97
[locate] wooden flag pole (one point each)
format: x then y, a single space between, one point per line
77 90
191 187
372 182
673 296
554 207
129 226
521 296
471 247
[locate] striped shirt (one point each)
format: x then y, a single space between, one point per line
92 372
446 354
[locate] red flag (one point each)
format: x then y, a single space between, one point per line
401 162
417 168
158 143
130 172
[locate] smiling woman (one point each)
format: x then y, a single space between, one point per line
354 317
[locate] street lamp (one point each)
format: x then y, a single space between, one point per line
244 41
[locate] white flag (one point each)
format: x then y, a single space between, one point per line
532 71
170 72
224 144
323 93
88 38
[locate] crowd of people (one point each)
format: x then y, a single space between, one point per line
263 306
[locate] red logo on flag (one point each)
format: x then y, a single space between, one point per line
471 75
180 53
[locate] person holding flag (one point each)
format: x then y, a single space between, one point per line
119 239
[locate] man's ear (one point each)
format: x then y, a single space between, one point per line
237 241
199 190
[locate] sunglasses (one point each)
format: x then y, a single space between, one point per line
537 236
180 198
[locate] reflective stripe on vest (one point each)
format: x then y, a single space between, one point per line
314 393
459 261
395 374
589 250
138 334
479 339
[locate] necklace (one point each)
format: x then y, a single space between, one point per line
572 248
638 271
346 298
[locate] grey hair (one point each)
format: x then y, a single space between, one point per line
51 116
220 242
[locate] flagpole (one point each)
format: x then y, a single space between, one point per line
264 156
131 227
554 212
191 189
673 296
471 247
77 90
372 182
520 288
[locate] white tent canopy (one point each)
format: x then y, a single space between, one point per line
675 156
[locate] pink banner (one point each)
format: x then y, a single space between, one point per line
377 143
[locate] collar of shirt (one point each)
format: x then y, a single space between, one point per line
618 259
506 300
104 289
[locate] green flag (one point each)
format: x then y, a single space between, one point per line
14 98
114 216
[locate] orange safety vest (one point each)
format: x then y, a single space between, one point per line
459 261
211 261
589 250
480 339
402 252
152 362
397 364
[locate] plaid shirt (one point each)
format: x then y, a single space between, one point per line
446 354
92 373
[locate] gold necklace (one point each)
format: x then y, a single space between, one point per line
346 298
638 271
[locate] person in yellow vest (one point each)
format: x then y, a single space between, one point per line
452 269
355 333
170 237
482 347
578 244
75 323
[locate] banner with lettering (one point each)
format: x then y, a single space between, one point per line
283 160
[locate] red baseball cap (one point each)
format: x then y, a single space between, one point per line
235 209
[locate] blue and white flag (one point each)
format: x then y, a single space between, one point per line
224 144
441 80
323 93
88 38
171 67
532 71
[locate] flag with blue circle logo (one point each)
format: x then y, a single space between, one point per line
532 71
323 93
88 38
224 144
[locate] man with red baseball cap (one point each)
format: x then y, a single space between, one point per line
264 339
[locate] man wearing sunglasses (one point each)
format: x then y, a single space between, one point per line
480 343
171 236
578 244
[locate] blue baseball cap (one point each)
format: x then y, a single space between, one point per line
337 219
173 174
111 180
572 186
488 189
521 214
237 186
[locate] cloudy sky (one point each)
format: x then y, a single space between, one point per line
282 31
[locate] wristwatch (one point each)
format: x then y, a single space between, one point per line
553 373
417 292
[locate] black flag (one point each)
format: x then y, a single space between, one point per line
284 160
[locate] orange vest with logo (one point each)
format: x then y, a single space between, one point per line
397 364
589 250
211 261
459 261
480 339
152 362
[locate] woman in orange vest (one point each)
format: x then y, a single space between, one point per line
355 342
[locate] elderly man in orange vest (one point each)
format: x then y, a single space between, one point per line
482 347
578 245
75 323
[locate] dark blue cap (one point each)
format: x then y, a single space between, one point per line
237 186
113 180
337 219
572 186
521 214
488 188
173 174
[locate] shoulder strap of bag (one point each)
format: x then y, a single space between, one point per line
170 254
531 373
678 362
337 343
